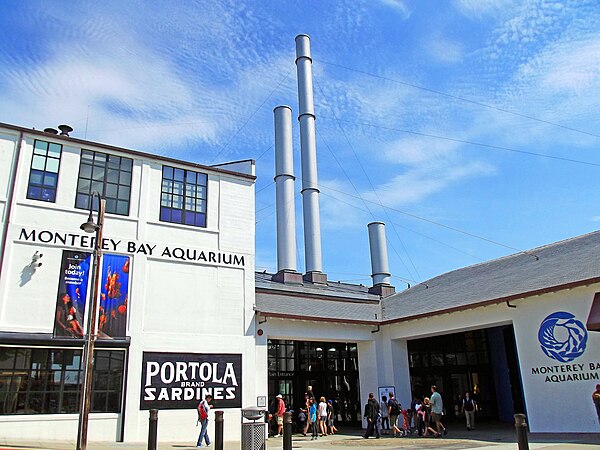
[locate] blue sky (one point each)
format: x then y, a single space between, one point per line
404 90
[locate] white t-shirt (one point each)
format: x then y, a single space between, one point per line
323 409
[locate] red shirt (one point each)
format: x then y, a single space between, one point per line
280 407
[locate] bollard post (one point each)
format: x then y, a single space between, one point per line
152 429
218 430
287 431
521 426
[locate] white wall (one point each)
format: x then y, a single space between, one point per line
551 407
175 306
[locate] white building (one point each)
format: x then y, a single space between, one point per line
184 314
180 239
512 330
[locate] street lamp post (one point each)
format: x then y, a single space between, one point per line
90 337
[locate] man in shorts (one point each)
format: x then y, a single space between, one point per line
280 413
437 408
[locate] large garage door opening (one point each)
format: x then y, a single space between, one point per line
483 362
331 368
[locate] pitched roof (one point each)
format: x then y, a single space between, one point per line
336 301
567 263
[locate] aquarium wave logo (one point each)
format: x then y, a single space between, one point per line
562 336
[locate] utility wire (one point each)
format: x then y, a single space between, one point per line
414 216
462 99
252 115
408 229
374 191
479 144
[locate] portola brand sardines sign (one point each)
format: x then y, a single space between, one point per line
182 380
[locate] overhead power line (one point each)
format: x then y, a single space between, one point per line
251 115
374 191
414 216
462 141
462 99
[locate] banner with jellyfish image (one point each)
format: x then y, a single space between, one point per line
72 294
114 296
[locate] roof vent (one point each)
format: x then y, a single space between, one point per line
65 130
51 130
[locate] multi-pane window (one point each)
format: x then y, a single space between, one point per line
183 197
48 380
43 177
109 175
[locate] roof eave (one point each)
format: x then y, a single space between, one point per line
508 298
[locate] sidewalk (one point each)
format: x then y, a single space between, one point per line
497 437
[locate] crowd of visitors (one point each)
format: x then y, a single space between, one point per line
318 415
423 418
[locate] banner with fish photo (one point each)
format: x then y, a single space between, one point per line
114 297
72 294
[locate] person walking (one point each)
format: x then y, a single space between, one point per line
330 418
279 415
469 406
394 408
427 417
308 395
372 415
203 409
322 416
313 419
385 415
596 400
437 409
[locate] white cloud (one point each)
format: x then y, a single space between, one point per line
481 9
416 184
444 50
400 6
595 219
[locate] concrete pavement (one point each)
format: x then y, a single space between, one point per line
490 437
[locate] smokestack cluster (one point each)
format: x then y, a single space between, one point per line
284 185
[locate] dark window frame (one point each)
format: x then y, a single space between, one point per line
95 172
43 173
35 381
176 188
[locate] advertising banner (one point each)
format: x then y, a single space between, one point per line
182 380
114 296
72 294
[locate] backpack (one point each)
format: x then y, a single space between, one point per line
202 414
395 407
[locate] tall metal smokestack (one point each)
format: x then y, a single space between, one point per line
308 148
380 271
284 192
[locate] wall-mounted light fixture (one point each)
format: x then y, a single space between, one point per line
35 260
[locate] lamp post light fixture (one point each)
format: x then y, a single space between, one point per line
88 350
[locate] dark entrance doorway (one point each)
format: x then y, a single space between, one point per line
331 368
483 362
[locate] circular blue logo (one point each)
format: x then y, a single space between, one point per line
562 337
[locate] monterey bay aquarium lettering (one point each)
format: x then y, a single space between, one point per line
182 380
132 247
560 373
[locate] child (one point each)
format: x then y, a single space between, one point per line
406 416
302 420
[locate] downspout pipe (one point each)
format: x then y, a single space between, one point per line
284 192
9 201
308 150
